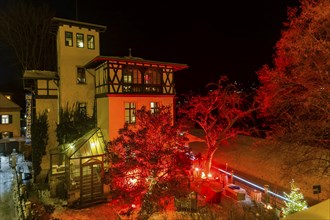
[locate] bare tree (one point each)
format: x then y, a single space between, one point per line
218 113
295 92
27 29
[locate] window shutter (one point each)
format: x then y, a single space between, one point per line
0 119
10 134
0 135
10 119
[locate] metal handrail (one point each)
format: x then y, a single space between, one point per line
252 186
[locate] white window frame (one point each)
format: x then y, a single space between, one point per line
90 42
130 112
80 40
5 119
154 107
68 40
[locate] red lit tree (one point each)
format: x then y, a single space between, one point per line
295 91
217 113
149 162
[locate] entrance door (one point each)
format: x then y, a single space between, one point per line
91 189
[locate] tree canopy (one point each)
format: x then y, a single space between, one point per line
148 159
39 140
73 124
217 113
295 90
296 201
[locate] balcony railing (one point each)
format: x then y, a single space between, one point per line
126 88
135 88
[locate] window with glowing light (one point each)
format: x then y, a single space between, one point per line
131 76
90 42
152 81
152 76
6 119
154 107
68 39
6 134
81 75
82 107
80 40
130 109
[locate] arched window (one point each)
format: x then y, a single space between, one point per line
152 77
132 75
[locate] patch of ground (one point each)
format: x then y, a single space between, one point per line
116 210
266 162
99 212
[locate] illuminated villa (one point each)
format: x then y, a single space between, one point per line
113 87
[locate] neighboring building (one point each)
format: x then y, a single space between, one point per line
42 95
10 123
112 87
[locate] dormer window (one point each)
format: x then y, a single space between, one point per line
68 39
80 40
90 42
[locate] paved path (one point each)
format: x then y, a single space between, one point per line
7 207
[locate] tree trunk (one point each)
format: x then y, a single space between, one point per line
148 205
209 158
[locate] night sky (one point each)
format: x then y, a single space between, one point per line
233 38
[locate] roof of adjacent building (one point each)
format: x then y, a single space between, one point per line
97 27
320 211
90 144
7 104
130 60
39 74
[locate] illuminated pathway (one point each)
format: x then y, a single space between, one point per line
7 207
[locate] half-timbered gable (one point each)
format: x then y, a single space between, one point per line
132 75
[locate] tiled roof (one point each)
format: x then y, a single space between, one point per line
8 105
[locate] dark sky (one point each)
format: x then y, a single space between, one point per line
233 38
